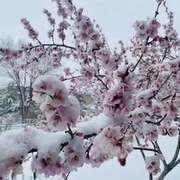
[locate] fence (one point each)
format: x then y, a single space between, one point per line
12 126
6 127
24 178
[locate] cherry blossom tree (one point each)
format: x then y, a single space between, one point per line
136 89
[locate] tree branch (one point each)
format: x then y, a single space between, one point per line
150 176
52 45
145 149
173 162
137 62
176 152
142 152
74 77
157 123
176 163
101 81
157 10
160 152
161 86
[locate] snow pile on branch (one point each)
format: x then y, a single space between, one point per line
57 153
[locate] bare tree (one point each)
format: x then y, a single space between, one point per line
22 74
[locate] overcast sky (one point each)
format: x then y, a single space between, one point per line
116 18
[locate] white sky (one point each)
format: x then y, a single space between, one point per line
116 18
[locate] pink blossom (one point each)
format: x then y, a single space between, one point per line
150 131
117 100
153 164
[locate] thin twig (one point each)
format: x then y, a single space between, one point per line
161 86
138 62
142 152
150 176
157 123
74 77
157 10
145 149
165 81
67 175
101 81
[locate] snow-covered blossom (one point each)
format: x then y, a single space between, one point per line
145 29
53 88
120 73
138 118
150 131
117 100
111 142
164 130
153 164
85 29
74 153
143 96
59 108
88 72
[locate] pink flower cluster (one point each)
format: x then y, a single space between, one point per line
61 163
65 8
62 26
143 97
13 167
168 127
117 100
138 118
88 72
51 20
172 131
59 108
110 63
150 131
31 32
153 164
9 55
85 29
74 153
110 143
145 29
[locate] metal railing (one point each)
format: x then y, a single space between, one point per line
12 126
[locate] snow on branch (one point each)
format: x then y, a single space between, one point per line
18 143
